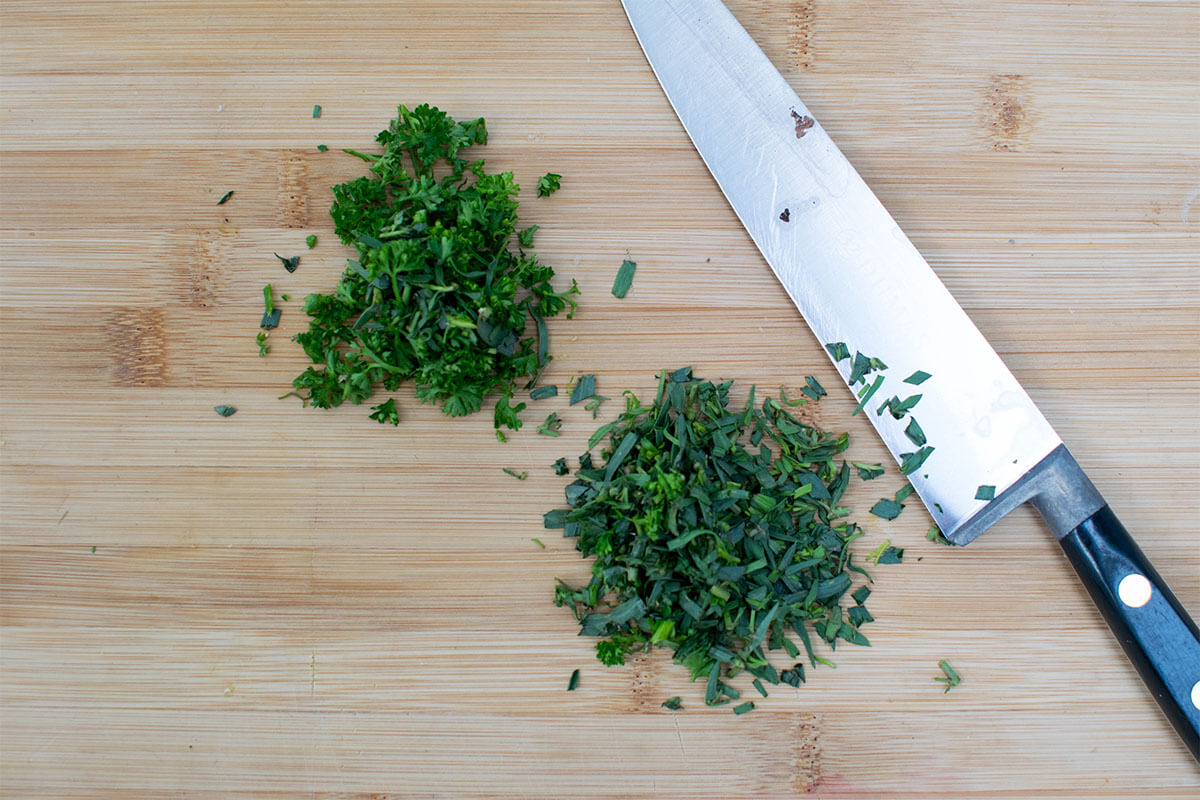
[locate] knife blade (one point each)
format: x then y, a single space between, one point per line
899 339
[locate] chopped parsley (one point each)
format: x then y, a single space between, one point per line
548 184
434 294
225 198
225 411
386 412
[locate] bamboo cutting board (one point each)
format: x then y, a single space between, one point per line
292 603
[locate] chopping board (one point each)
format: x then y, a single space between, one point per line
300 603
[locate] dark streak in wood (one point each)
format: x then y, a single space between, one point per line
138 347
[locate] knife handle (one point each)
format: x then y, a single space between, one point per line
1158 636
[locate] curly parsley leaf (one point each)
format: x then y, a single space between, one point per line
548 184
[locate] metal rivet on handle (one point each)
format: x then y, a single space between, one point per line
1196 694
1134 590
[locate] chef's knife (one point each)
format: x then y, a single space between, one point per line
981 447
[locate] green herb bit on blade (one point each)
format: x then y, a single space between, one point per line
951 678
552 426
225 411
985 492
548 184
838 350
707 541
624 278
434 295
918 377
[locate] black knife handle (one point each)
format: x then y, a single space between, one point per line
1157 634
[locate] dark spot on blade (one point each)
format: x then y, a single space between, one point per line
786 215
803 123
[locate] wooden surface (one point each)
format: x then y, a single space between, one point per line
292 603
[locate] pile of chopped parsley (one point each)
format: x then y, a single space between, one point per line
435 295
716 532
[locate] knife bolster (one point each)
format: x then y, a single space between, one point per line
1057 487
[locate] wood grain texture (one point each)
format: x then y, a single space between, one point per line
292 603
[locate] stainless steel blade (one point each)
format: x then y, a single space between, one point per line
851 271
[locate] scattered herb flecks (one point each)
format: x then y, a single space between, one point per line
518 475
886 554
434 295
673 703
585 387
934 534
593 404
560 467
264 346
271 314
291 262
316 112
225 411
624 278
886 509
225 198
573 682
813 388
708 541
552 426
323 148
543 392
918 377
311 240
985 492
386 412
951 678
868 471
538 542
548 184
744 707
